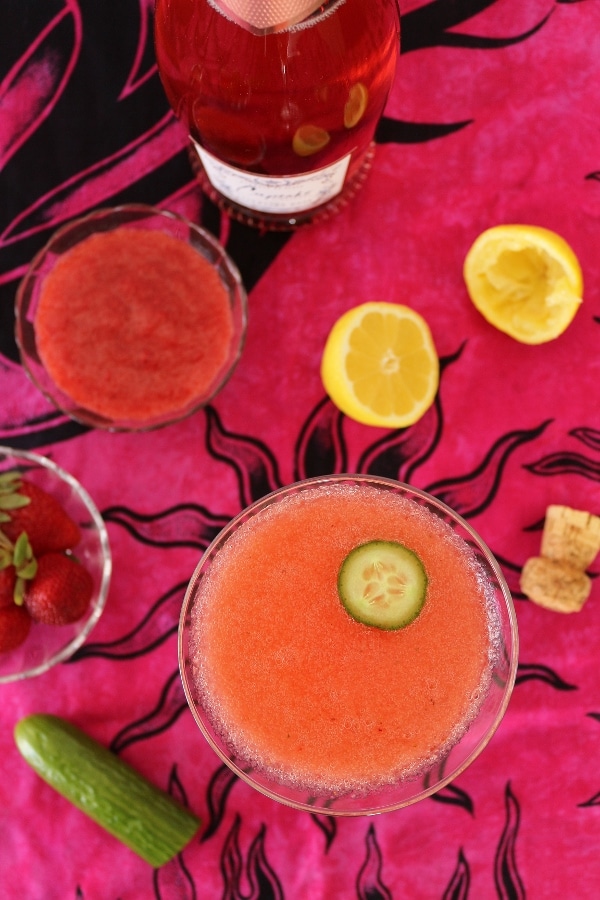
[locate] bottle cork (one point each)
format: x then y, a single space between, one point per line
557 579
555 584
572 535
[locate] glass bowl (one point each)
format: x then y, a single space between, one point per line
146 218
423 779
47 645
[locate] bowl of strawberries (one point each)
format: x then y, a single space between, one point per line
55 564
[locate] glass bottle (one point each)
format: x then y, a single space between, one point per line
281 99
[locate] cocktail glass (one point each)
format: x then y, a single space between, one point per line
447 766
138 217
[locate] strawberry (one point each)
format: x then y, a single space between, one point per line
14 626
26 507
60 591
8 581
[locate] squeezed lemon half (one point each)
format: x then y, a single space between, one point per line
380 365
525 280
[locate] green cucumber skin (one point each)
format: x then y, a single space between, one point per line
354 605
108 790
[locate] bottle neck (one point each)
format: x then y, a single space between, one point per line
267 16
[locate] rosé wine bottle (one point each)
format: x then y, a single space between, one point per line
281 98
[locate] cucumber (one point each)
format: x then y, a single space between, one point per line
104 787
383 584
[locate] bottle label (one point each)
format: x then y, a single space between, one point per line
285 194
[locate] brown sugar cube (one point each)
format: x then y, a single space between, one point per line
555 584
571 535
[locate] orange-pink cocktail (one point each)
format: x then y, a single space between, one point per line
319 710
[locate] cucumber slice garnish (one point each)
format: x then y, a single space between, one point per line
383 584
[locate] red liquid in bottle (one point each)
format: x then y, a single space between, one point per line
264 109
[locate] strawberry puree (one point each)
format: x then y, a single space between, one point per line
306 693
133 324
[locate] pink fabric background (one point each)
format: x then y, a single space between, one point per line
519 429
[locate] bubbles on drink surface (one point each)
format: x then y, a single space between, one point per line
304 694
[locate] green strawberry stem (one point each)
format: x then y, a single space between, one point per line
9 481
6 552
19 591
10 498
20 555
13 501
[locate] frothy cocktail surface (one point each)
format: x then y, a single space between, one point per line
133 324
299 689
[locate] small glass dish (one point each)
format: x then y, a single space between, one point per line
432 776
47 645
146 218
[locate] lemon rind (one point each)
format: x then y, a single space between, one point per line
339 387
516 237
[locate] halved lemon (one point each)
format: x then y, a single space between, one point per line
380 365
356 104
309 139
525 280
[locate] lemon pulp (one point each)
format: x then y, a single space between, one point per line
525 280
380 366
